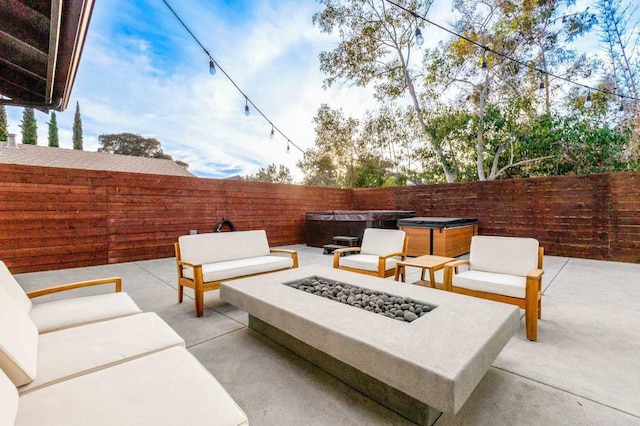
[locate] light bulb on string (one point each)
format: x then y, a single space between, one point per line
587 102
212 67
288 147
272 133
621 108
246 107
541 86
419 38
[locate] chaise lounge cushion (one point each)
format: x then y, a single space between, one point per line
234 268
8 401
81 350
64 313
169 387
18 342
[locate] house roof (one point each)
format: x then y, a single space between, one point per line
34 155
41 43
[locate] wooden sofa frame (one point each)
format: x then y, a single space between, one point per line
198 284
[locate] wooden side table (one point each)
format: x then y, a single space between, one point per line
432 263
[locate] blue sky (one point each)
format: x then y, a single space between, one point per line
141 72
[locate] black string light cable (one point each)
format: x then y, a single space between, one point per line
509 58
213 63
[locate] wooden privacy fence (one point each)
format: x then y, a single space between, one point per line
52 218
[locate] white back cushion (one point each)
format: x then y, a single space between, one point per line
18 342
222 246
503 255
13 289
8 401
382 241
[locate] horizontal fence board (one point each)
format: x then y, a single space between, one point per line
54 218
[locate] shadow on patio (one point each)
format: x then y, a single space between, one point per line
583 369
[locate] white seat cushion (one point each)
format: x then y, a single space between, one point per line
490 282
503 255
18 342
8 401
222 246
366 262
13 288
80 350
240 267
382 242
169 387
60 314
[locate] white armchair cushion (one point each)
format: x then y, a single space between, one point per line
382 241
503 255
76 351
8 401
13 289
490 282
169 387
60 314
18 342
240 267
366 262
223 246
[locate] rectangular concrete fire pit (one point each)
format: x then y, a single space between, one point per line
417 368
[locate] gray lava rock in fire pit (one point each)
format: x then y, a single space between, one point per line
396 307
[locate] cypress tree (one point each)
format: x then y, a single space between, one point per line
77 129
53 131
29 127
4 131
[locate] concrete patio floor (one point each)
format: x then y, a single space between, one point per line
583 370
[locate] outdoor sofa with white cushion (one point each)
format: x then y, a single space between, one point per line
128 370
205 260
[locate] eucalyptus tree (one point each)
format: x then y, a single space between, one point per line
272 174
377 42
618 23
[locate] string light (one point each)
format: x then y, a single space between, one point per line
288 147
248 101
272 133
587 102
419 38
246 107
507 57
212 67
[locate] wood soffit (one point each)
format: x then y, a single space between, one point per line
41 43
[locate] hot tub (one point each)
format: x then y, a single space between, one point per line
439 236
322 226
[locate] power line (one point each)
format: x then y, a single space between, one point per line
248 100
510 58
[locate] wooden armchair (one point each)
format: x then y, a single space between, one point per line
380 251
504 269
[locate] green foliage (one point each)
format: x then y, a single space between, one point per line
53 131
272 174
4 128
29 127
77 129
133 144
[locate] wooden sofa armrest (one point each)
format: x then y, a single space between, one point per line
449 269
386 256
292 253
71 286
337 253
189 264
536 274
